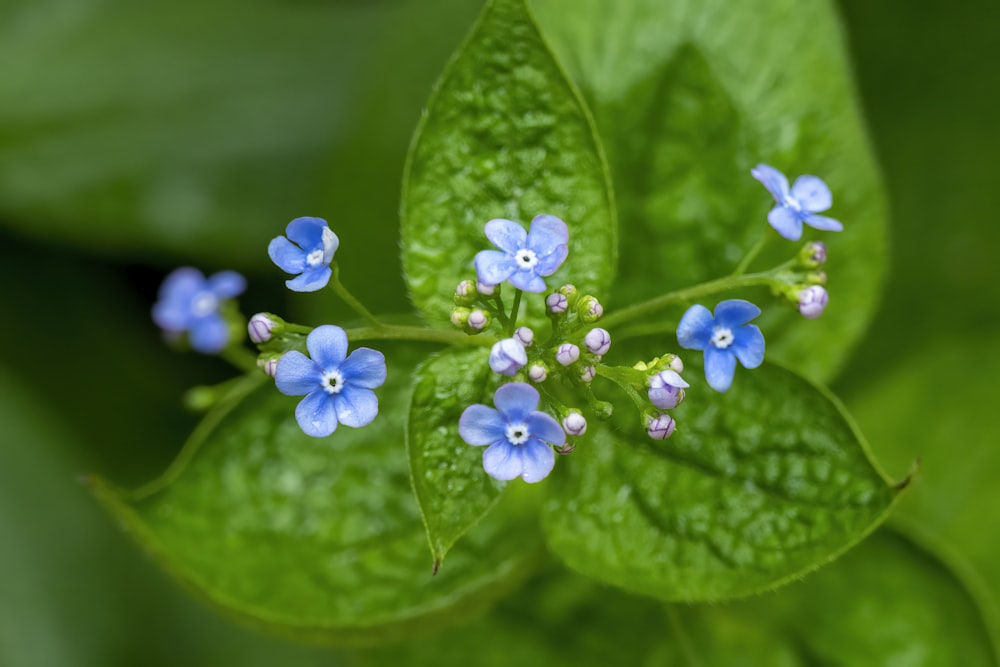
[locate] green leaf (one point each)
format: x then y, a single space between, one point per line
688 97
505 135
313 537
452 490
756 487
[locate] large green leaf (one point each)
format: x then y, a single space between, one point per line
504 135
756 487
687 98
314 537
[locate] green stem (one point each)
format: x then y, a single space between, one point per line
512 324
349 298
690 293
418 334
621 377
240 357
744 264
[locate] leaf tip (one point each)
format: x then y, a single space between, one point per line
905 482
436 567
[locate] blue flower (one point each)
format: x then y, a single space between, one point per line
518 435
190 302
807 197
523 258
308 253
338 388
724 338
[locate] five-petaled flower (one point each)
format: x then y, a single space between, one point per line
518 435
524 258
190 302
307 251
725 338
337 387
799 204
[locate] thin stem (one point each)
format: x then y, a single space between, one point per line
418 334
349 298
744 264
513 312
618 377
704 289
240 358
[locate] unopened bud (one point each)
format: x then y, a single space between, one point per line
676 364
567 354
261 327
813 254
588 374
660 427
485 290
666 389
816 278
556 303
477 320
575 424
525 335
538 372
602 409
812 301
597 341
571 294
590 309
460 317
465 293
507 357
268 364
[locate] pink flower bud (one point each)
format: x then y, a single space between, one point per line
574 424
597 341
556 303
812 301
525 335
661 427
567 354
260 327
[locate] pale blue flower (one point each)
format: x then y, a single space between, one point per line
518 435
337 387
666 389
508 356
799 204
307 251
189 302
725 338
524 258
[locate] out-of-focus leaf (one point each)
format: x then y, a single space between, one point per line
687 98
756 487
505 135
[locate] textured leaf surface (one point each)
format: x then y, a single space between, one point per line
316 537
504 136
687 98
756 486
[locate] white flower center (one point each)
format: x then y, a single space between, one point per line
332 382
722 337
526 259
315 258
517 434
793 203
203 304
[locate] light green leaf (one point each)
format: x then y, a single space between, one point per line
505 135
314 537
688 97
756 487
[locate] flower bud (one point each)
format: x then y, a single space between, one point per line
465 293
460 317
571 294
507 357
675 364
597 341
816 278
574 423
602 409
660 427
525 335
538 372
666 389
261 328
813 254
556 303
567 354
268 364
588 374
590 309
485 290
812 301
477 320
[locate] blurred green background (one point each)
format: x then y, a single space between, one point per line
135 137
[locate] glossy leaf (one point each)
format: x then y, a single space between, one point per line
314 537
756 487
505 135
688 97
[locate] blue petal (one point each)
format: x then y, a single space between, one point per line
502 461
786 222
824 223
296 374
172 314
546 234
493 267
327 345
289 257
527 280
748 346
307 232
812 194
695 328
356 406
209 335
719 368
364 368
733 313
537 461
506 235
182 284
316 414
227 284
773 180
311 280
515 400
545 428
548 264
481 425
